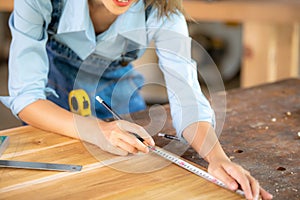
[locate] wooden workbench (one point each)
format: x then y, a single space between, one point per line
101 177
260 133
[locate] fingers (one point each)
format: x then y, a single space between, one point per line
242 177
128 142
127 147
225 178
121 134
134 128
249 184
254 187
265 195
258 191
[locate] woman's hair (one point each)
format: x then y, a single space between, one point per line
166 7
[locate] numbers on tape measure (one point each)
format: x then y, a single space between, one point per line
190 167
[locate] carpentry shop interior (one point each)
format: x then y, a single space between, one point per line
145 99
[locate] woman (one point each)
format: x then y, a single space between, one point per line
62 45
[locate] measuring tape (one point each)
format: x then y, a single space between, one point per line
172 157
178 161
79 102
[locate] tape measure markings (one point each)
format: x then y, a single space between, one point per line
167 155
176 160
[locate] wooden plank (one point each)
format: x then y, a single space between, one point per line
111 183
105 183
31 140
6 5
288 51
271 52
67 154
31 144
243 11
270 32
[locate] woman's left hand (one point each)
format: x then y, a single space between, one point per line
202 137
233 175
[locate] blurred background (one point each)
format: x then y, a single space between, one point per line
7 120
251 42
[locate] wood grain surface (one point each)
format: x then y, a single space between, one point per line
98 179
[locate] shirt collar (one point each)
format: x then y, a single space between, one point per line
131 25
75 18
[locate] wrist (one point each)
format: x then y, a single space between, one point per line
216 154
87 129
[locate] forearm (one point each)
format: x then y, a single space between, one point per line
48 116
202 137
113 137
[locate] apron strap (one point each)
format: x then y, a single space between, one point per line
57 7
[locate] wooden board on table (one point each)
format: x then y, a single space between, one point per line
105 179
107 183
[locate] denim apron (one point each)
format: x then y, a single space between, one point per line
115 81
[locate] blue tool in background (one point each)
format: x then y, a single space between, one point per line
4 141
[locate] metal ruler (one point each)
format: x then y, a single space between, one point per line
178 161
39 166
4 140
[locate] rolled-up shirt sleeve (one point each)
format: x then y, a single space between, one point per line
187 102
28 60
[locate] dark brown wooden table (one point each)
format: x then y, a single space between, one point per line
261 134
264 123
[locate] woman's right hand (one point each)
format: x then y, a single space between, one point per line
118 138
115 137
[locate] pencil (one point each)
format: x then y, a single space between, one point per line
118 117
108 108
